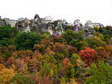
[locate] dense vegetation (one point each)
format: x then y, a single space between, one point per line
69 58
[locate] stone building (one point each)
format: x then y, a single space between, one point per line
40 25
23 25
89 27
7 22
10 22
77 25
90 24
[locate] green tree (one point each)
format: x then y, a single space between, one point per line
26 40
75 38
7 35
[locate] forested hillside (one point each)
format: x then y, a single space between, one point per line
72 57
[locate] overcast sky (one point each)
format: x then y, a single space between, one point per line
95 10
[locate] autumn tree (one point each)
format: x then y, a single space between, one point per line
88 55
6 74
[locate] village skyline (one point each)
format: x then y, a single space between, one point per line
50 18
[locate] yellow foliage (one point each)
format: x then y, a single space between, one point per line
6 74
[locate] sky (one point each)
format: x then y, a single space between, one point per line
95 10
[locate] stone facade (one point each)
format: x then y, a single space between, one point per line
40 25
23 25
10 22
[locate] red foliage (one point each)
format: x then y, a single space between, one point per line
88 55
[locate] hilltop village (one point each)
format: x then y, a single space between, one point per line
46 24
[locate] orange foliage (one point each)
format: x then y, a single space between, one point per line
22 53
66 61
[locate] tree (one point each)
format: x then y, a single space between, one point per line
70 35
107 32
6 74
99 75
95 41
6 35
74 38
26 40
88 55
